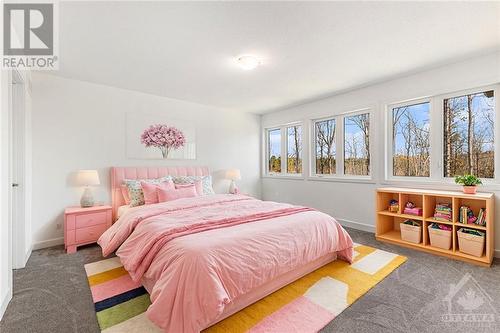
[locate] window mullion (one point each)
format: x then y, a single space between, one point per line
284 151
339 144
496 136
313 148
436 139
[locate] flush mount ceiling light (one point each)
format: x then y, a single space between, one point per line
248 62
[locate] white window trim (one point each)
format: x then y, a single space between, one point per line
284 152
339 175
437 141
312 155
370 138
389 170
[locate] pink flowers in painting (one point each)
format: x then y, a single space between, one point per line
163 137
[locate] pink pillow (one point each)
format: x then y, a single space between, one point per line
151 191
197 184
125 194
187 191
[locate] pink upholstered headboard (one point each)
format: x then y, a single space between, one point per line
118 174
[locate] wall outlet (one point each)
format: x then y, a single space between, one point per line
58 226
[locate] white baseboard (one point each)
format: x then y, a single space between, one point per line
357 225
28 254
4 301
48 243
371 228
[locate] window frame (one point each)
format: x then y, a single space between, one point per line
339 148
314 147
284 151
267 151
389 167
496 137
436 120
370 143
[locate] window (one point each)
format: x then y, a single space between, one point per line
357 144
410 140
294 149
468 134
443 136
324 141
274 150
284 150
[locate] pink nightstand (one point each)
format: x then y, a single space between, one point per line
85 225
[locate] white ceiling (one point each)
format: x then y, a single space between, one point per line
309 49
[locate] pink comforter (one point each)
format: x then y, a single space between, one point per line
199 254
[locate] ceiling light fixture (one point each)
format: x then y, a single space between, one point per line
248 62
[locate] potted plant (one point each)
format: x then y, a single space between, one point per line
469 183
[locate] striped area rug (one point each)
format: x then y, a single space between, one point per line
306 305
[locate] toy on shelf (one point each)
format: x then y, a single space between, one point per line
394 206
442 212
411 209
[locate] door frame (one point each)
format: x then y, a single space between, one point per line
19 205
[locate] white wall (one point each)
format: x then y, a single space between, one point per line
353 203
80 125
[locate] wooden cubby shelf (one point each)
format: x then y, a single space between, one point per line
387 224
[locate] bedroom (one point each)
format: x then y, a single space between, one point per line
297 159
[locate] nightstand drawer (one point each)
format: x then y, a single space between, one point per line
89 234
88 220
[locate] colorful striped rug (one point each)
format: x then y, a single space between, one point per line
306 305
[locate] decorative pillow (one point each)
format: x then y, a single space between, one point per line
206 182
125 194
150 190
197 184
135 189
185 191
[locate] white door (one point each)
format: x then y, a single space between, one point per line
20 249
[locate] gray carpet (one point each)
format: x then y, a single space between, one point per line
52 295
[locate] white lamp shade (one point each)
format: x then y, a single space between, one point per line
233 174
87 178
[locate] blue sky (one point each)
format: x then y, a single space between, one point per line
275 142
420 113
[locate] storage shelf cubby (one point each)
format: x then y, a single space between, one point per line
388 229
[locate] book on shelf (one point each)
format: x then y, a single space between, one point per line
481 217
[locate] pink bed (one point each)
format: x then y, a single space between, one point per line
205 258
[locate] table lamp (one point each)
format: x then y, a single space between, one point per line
233 175
87 178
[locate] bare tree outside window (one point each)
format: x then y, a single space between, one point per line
325 146
357 145
294 149
274 150
469 135
410 140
